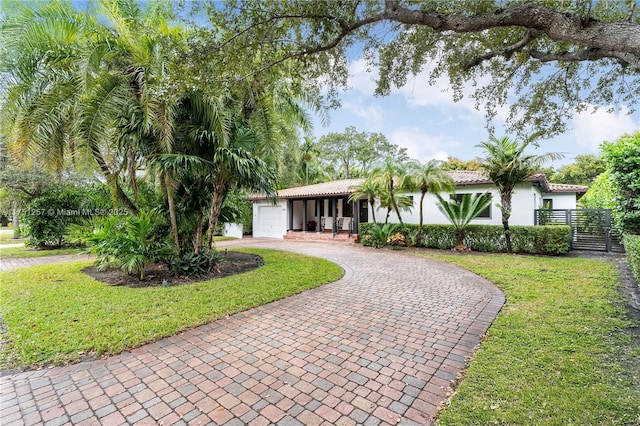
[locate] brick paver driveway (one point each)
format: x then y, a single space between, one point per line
380 346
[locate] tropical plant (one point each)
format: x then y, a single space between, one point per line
462 213
404 203
380 234
507 166
428 177
110 92
390 176
195 264
396 240
130 243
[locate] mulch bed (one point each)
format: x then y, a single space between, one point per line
230 263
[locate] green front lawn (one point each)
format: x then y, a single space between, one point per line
56 314
12 241
6 233
557 353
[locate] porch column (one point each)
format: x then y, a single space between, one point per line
355 221
304 215
335 217
319 215
290 212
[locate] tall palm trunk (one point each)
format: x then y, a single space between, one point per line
167 181
394 203
131 170
419 235
217 198
373 210
197 239
112 179
505 199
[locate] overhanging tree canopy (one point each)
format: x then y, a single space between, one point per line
556 58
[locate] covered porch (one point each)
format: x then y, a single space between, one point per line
313 212
323 218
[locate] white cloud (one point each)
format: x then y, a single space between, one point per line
372 114
591 129
422 146
362 77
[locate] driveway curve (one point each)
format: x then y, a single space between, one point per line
379 346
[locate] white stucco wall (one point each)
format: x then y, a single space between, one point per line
523 203
561 200
233 230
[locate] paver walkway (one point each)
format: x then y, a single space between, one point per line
379 346
15 263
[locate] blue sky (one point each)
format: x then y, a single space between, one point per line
427 121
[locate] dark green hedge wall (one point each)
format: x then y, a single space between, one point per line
549 240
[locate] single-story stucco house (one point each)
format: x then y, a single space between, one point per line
300 208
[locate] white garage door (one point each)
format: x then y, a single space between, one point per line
270 218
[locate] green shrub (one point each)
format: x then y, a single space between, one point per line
632 247
623 163
548 240
130 243
46 218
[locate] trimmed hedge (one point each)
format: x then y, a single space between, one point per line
632 247
549 240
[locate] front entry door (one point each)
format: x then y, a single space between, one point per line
364 211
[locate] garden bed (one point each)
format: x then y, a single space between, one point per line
230 263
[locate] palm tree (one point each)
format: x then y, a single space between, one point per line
368 190
309 151
70 78
428 177
460 214
402 202
507 166
391 176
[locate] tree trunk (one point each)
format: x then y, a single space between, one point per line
460 245
168 183
113 180
197 238
505 199
373 210
419 235
131 169
15 221
217 198
394 203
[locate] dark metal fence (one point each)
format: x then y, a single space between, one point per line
591 229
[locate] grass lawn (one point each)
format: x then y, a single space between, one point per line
12 241
6 233
55 314
22 252
557 354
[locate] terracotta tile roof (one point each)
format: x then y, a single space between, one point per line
334 188
463 177
340 188
563 187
